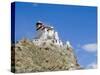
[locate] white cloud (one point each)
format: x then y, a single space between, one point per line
92 65
91 47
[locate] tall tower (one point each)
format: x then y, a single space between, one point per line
56 36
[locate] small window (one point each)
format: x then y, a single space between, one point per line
53 41
56 41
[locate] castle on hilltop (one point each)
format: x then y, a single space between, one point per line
46 52
47 34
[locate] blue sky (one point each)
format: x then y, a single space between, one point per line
78 24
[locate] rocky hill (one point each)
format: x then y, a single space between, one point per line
46 52
28 57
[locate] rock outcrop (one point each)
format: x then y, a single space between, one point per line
28 57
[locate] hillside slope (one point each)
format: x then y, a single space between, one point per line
27 57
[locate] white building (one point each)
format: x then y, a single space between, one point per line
47 34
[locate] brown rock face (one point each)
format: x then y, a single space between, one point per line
27 57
